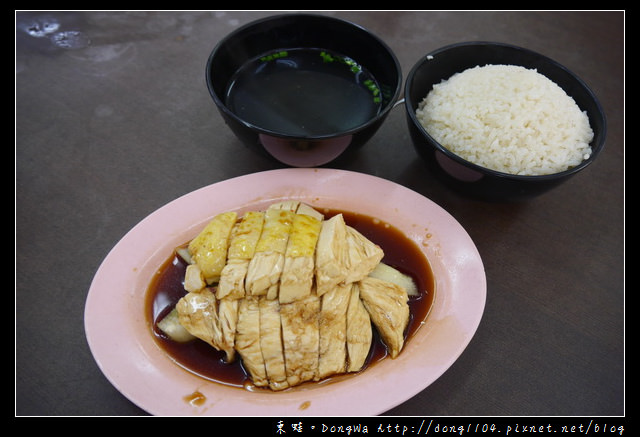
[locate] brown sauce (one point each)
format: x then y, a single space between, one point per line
200 358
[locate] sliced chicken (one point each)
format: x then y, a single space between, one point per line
193 278
388 308
287 205
247 340
298 270
197 312
271 343
297 296
359 331
331 254
228 322
265 267
391 274
246 235
300 337
363 255
213 321
232 279
306 209
209 248
244 240
332 354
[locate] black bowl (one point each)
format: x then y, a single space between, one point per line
307 31
466 177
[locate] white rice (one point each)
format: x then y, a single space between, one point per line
507 118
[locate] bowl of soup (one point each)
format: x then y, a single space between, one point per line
303 88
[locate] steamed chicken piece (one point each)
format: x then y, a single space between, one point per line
209 319
343 255
300 338
287 205
265 268
170 325
228 321
362 255
359 331
209 248
232 279
332 353
271 343
242 247
296 279
193 278
331 254
247 340
391 274
387 306
246 235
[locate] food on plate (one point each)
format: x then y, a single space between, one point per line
209 249
390 274
507 118
386 304
170 325
242 248
293 295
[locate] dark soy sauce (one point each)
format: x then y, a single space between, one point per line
304 93
200 358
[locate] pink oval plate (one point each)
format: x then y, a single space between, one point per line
121 341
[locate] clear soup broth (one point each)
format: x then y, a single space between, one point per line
304 93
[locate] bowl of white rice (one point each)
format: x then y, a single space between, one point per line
501 122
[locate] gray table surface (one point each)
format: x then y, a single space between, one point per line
113 120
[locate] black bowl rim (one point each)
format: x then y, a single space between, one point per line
596 149
380 116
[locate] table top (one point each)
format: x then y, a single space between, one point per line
114 120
